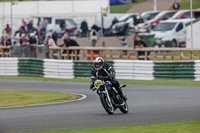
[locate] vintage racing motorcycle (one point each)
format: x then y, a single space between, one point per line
109 97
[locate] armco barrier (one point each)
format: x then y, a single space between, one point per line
9 66
197 70
134 69
174 70
58 69
125 69
30 67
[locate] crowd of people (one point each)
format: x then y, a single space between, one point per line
28 34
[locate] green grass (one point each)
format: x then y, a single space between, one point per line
124 8
14 98
185 4
88 80
179 127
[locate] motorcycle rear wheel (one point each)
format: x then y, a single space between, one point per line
124 109
106 104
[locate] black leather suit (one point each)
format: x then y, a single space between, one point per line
108 73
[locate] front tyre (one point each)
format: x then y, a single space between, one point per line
106 104
124 109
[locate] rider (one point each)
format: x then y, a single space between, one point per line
103 70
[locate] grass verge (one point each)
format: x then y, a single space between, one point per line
179 127
185 4
14 98
124 8
88 80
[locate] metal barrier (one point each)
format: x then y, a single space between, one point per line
110 53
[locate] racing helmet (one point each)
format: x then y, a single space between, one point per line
98 63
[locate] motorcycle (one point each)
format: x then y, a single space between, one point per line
109 97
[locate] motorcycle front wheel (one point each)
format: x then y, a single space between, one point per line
106 104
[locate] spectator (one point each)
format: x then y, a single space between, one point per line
54 36
95 27
23 28
115 20
139 43
50 43
25 40
93 37
176 5
7 41
7 30
2 40
63 26
43 25
67 42
84 28
30 26
16 43
33 39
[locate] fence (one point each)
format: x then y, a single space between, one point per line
125 69
108 53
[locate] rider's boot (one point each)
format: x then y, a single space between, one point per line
121 94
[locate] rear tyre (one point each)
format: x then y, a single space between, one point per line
124 109
106 104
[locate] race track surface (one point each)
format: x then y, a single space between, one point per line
148 104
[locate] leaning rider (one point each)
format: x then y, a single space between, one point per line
103 70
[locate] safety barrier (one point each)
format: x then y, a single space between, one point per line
125 69
58 69
30 67
9 66
197 70
174 70
132 69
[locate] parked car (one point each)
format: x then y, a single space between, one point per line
182 14
126 24
171 32
148 15
70 27
148 25
164 15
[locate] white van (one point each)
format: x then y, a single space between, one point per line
171 32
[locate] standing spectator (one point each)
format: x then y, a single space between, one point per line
24 28
95 27
93 37
176 5
139 43
43 25
54 36
25 40
30 26
7 41
2 40
84 28
70 42
7 30
50 43
115 20
63 26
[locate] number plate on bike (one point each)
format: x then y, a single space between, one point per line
98 83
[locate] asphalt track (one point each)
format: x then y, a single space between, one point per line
148 104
